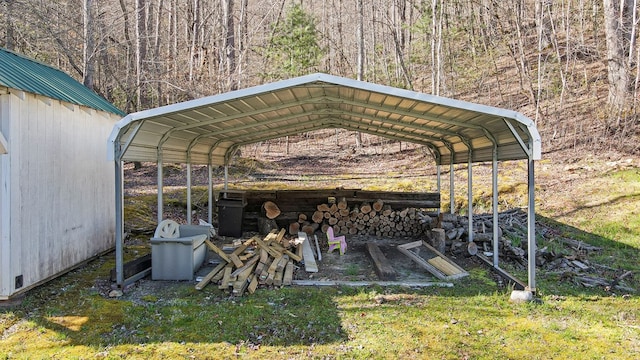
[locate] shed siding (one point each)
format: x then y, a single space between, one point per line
5 213
62 208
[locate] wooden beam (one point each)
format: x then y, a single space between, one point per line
310 264
383 268
210 275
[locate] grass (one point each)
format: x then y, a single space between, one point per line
471 320
70 318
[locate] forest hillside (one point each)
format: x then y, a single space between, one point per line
569 65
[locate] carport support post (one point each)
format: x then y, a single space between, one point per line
210 187
438 182
119 172
189 220
532 228
470 198
226 177
160 187
452 200
494 184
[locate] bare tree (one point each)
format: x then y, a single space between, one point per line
89 59
618 20
228 58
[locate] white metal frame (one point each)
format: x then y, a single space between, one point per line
208 130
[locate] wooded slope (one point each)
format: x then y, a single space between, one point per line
554 61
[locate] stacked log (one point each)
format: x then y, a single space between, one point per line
364 218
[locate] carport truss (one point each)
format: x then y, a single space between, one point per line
208 130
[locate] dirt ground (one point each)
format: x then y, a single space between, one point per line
355 264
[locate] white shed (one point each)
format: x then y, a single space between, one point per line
56 185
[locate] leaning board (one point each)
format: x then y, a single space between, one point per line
432 260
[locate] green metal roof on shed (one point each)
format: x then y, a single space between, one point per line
21 73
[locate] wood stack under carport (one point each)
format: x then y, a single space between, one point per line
348 211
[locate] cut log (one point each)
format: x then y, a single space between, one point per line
310 228
438 239
365 207
271 209
302 218
317 217
266 225
378 205
294 228
323 207
342 204
386 210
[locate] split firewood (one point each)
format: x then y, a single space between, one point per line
323 207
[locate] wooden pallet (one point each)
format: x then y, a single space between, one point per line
432 260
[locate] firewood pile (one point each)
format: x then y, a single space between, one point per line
266 261
365 218
562 257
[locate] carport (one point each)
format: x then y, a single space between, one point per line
208 131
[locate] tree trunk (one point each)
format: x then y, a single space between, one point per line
9 43
360 40
228 58
141 50
89 59
617 17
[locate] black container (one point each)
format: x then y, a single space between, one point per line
230 213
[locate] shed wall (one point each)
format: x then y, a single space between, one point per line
60 207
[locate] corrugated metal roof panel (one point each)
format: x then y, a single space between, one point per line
210 127
21 73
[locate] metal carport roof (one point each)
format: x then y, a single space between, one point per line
207 130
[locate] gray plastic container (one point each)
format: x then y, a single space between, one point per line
178 259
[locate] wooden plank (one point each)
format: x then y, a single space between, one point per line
253 284
217 250
443 266
310 264
265 271
210 275
241 283
518 285
226 277
134 267
383 268
288 274
273 252
277 278
461 271
236 260
249 263
281 249
405 249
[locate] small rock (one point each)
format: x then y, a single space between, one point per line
521 296
115 293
